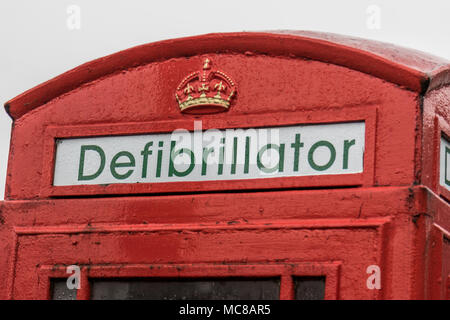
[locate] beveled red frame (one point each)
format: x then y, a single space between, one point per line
285 271
351 114
442 130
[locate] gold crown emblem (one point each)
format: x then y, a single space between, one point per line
205 91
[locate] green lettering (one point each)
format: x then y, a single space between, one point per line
330 162
101 153
172 170
347 145
114 165
233 165
296 146
158 165
279 166
206 152
145 153
221 157
247 154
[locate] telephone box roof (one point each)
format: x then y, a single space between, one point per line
412 69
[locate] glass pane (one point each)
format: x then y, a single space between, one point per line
186 289
60 290
309 288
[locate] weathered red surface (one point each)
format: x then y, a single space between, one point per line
393 215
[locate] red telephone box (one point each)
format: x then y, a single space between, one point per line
287 165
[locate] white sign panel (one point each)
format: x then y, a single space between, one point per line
444 167
301 150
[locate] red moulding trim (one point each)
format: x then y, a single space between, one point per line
366 178
442 130
285 271
57 269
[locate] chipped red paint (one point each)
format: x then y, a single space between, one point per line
394 215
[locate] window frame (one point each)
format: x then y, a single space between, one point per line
285 271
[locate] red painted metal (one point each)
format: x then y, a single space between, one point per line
394 215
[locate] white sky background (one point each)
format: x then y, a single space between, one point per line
36 44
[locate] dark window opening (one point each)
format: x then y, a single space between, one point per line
305 288
309 288
186 289
60 291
